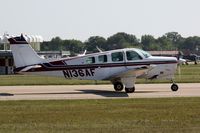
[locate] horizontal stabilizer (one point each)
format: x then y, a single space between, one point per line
30 67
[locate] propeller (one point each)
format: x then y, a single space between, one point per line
181 61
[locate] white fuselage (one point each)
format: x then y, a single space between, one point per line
104 65
121 66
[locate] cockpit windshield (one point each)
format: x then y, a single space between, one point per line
146 54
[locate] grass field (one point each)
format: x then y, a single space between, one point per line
189 74
113 116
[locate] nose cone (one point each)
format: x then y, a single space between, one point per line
173 59
181 61
164 59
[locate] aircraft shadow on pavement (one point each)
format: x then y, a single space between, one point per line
40 93
6 94
96 92
105 93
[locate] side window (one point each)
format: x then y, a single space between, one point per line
132 55
102 58
117 56
90 60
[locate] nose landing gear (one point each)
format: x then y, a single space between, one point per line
174 86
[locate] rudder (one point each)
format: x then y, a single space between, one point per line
23 53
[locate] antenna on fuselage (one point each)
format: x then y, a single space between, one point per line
99 49
83 53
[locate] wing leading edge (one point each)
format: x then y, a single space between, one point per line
132 72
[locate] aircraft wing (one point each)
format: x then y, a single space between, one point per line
132 72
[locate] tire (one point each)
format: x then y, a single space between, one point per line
130 90
118 86
174 87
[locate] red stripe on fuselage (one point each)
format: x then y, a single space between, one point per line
57 63
88 66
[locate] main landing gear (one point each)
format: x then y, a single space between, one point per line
130 90
118 86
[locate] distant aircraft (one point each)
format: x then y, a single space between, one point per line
121 66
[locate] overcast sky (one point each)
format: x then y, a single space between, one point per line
80 19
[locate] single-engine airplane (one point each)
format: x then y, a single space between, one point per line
121 66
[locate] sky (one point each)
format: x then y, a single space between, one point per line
81 19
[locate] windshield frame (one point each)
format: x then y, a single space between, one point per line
144 53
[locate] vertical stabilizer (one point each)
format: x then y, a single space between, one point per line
23 53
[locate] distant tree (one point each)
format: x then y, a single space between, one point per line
169 41
74 46
45 46
175 38
191 43
148 42
95 41
122 40
54 44
165 43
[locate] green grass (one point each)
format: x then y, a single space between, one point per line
189 74
39 80
113 116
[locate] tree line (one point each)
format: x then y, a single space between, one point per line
169 41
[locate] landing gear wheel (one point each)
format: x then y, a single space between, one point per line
174 87
130 90
118 86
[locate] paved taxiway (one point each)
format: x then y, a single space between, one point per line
95 92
